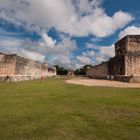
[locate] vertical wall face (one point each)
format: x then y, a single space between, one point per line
132 64
27 67
98 71
133 44
120 47
18 68
117 65
7 64
132 58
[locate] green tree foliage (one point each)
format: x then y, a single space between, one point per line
61 70
82 70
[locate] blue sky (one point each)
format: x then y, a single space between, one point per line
68 33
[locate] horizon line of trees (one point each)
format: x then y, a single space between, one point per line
63 71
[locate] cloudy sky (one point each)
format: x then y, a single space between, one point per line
70 33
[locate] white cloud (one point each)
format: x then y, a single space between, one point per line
48 40
78 18
9 44
64 47
13 45
32 55
83 60
73 17
89 54
45 48
107 51
131 30
102 53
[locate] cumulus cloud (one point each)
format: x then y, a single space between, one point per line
12 45
131 30
77 18
102 53
48 41
83 60
9 44
45 48
32 55
72 17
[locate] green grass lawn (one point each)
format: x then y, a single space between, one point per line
54 110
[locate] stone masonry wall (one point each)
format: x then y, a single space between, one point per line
7 64
116 65
133 44
98 71
132 64
27 67
31 68
120 47
15 68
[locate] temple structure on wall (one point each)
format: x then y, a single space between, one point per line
17 68
125 66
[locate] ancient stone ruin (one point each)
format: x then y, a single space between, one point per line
70 73
17 68
125 66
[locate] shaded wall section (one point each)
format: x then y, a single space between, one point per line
116 65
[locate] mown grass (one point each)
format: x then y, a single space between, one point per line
54 110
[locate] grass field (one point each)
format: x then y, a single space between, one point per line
54 110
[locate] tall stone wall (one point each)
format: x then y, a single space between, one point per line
132 64
98 71
16 68
128 44
27 67
7 64
116 65
133 44
127 57
31 68
125 66
120 47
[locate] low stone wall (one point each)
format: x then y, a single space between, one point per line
122 78
135 79
15 78
132 79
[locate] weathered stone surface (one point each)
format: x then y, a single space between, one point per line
125 66
16 68
98 71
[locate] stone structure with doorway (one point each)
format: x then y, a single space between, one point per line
125 66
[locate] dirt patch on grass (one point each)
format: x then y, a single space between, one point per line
103 83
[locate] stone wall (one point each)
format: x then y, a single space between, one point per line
132 64
28 67
120 46
125 66
7 64
99 71
127 57
16 68
116 65
133 44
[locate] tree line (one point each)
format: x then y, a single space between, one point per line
63 71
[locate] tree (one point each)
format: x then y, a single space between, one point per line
61 70
82 70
